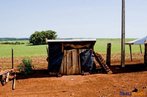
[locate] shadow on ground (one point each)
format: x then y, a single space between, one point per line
116 69
128 68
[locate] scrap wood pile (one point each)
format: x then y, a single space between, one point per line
100 62
6 76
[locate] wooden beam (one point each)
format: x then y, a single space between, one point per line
7 77
102 63
6 74
6 71
14 82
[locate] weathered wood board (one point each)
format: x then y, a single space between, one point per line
70 62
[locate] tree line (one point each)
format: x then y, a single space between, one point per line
13 39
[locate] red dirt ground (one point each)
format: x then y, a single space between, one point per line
120 84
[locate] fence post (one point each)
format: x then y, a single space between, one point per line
12 59
14 78
145 54
14 82
108 56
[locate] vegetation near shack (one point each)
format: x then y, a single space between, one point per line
26 66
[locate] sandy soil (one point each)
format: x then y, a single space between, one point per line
97 85
120 84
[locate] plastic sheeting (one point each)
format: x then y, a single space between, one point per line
87 60
138 41
55 57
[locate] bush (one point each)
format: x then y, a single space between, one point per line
26 66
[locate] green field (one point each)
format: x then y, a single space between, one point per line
25 50
101 46
22 50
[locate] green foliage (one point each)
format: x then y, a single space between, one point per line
38 38
26 66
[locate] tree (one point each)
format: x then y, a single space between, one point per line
38 38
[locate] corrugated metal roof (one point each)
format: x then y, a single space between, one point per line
73 40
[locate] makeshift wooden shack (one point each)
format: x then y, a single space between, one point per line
64 54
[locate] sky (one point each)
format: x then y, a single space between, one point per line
72 18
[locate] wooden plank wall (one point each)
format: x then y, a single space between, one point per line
71 62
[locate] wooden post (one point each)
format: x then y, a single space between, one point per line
108 56
145 54
7 77
140 49
14 82
14 78
123 35
12 59
130 52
